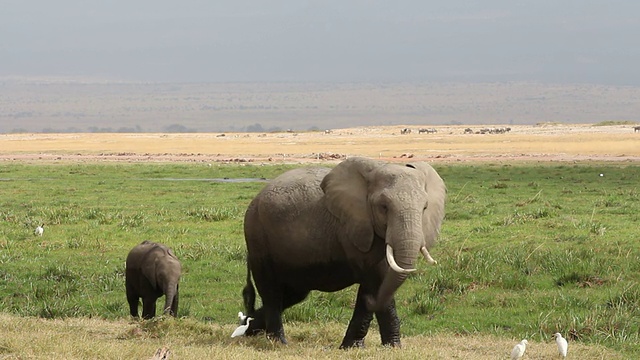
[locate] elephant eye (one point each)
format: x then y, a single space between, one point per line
381 203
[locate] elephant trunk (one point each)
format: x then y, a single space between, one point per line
171 299
401 263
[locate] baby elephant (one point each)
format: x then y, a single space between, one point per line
152 270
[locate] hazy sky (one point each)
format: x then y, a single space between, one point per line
595 41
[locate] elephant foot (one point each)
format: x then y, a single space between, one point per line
277 335
350 344
277 338
272 337
393 344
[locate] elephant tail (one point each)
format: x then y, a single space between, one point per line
249 294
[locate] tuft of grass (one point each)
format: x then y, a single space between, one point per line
59 273
500 185
131 221
521 217
626 298
215 214
424 303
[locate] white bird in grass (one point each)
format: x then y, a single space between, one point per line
562 344
519 349
242 317
240 330
40 230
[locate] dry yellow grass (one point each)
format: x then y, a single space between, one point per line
565 142
81 338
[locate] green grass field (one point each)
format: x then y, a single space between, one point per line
526 250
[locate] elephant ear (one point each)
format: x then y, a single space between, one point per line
436 195
346 195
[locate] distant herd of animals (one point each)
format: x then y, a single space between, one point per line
500 130
406 131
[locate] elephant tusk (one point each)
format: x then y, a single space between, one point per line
427 256
394 265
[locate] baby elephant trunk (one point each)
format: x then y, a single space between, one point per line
171 300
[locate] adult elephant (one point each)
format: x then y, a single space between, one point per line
315 228
152 270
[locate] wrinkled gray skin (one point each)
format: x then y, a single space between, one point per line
152 270
325 229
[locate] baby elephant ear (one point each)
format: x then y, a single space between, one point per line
346 192
436 195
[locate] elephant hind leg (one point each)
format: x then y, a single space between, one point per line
249 294
148 307
273 311
257 325
272 293
134 300
273 322
359 324
249 300
291 297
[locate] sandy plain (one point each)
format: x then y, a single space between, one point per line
553 142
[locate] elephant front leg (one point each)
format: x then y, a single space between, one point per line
359 324
132 298
389 324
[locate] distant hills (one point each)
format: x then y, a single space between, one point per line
72 105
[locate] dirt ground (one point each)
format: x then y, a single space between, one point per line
553 142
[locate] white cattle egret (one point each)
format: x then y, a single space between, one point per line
519 350
40 230
242 317
562 344
240 330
